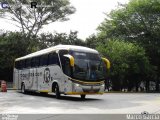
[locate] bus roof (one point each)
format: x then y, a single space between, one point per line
58 47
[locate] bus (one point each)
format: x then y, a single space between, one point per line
62 69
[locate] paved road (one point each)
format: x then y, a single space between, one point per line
109 103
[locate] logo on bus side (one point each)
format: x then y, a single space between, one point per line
47 75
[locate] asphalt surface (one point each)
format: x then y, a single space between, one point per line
14 102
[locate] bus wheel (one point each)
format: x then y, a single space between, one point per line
44 93
23 89
57 92
83 97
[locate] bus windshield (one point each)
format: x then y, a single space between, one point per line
88 66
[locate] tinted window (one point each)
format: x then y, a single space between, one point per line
33 62
66 67
53 59
88 66
44 60
63 52
21 64
37 61
85 55
62 58
16 64
28 63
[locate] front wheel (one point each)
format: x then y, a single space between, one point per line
83 97
57 92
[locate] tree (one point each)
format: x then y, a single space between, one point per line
92 41
48 40
129 64
31 20
12 46
138 21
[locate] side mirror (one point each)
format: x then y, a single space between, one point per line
107 62
71 58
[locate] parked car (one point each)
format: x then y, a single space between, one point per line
3 86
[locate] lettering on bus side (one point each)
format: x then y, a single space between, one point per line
47 75
28 75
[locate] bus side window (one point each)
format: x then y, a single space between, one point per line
65 62
40 61
37 61
28 63
53 59
61 53
32 62
66 67
21 66
17 64
44 60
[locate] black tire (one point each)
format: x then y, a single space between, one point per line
83 97
44 93
23 90
57 92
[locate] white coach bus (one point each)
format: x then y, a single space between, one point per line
62 69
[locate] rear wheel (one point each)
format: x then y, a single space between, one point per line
23 90
57 92
83 97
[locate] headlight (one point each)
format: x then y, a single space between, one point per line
102 85
77 85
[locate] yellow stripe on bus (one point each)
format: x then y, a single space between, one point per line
86 82
44 91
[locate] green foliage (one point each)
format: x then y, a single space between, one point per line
128 62
137 22
92 41
11 46
48 40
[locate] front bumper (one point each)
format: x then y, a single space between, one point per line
79 89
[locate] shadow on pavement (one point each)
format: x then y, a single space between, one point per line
63 97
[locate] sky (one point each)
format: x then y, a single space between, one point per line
89 14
